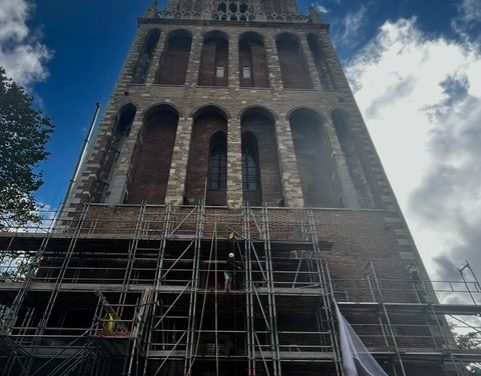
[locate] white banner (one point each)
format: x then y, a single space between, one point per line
356 359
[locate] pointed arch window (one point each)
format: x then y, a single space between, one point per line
217 179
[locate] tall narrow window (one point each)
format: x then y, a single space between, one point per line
218 163
261 177
175 59
141 69
251 184
250 167
294 69
207 168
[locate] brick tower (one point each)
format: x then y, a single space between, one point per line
232 129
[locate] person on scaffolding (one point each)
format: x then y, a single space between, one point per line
229 271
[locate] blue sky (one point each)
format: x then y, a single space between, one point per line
414 65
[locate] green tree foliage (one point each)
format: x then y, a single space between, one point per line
24 133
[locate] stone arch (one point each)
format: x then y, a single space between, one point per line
315 163
266 110
175 58
152 158
294 69
253 68
168 106
211 107
259 124
141 69
209 126
214 61
319 56
353 156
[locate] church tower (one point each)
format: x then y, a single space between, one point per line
230 203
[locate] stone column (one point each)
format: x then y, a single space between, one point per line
193 68
274 67
234 77
291 183
180 160
155 63
234 164
311 65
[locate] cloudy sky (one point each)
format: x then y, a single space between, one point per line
414 66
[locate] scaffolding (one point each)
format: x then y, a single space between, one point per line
139 290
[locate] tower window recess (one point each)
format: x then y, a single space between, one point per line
175 59
144 61
294 69
252 60
353 158
261 178
207 168
214 60
319 56
315 164
151 170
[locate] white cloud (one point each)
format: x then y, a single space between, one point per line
21 53
471 9
321 8
421 99
353 24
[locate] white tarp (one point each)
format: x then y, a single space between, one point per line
356 359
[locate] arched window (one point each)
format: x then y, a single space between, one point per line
320 61
294 69
141 69
315 164
353 159
175 59
214 60
252 61
217 180
261 177
207 168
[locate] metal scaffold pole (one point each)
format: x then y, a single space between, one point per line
328 298
271 293
250 326
191 327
